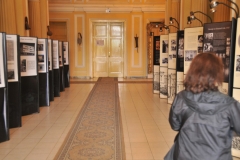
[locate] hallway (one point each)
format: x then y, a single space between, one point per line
147 134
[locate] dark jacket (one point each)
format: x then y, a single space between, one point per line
207 132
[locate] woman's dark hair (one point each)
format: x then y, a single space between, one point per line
205 73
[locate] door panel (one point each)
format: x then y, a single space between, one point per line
108 49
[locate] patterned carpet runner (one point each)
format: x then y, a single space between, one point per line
97 132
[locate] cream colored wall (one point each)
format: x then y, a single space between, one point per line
135 19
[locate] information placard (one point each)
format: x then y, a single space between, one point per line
193 44
171 85
156 82
55 54
12 59
60 52
172 50
66 53
42 56
28 52
50 55
236 74
164 50
2 76
163 82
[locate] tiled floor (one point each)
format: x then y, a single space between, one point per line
147 134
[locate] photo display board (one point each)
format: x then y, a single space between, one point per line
50 55
12 57
42 56
172 50
66 53
171 85
28 54
2 76
218 39
180 61
156 50
156 82
55 54
236 69
60 51
193 44
164 50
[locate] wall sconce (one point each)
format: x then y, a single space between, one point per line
193 17
49 33
214 4
171 21
27 27
79 39
136 42
165 27
189 20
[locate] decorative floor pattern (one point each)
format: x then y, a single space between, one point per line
97 132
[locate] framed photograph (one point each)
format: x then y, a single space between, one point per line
28 56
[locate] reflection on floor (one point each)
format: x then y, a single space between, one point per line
147 133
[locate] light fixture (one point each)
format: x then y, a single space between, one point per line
193 17
174 26
108 10
215 3
79 39
136 42
27 27
171 21
165 27
161 29
190 20
49 33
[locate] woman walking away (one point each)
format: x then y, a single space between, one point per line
204 117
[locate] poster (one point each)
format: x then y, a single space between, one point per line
49 54
12 57
179 82
2 78
55 54
193 44
156 83
60 52
164 50
163 82
218 39
156 50
28 56
171 85
42 56
65 53
172 50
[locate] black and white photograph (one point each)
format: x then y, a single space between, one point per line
181 43
165 60
238 63
23 65
180 53
190 54
173 47
10 50
40 58
208 36
11 74
27 49
207 47
170 57
41 67
228 41
64 48
165 46
40 47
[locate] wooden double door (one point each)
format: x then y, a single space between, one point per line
108 49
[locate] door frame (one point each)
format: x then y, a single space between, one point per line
91 43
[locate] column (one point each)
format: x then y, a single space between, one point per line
34 18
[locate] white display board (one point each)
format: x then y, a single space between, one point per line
42 56
65 53
2 81
164 50
55 54
163 82
179 83
193 44
49 54
172 50
28 53
12 59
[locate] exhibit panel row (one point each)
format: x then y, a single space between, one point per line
27 77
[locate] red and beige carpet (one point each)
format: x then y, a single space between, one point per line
97 132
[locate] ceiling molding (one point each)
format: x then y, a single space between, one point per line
102 8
